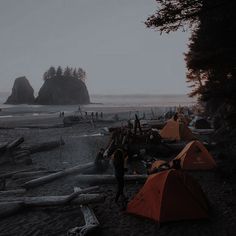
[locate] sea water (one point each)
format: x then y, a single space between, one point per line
103 103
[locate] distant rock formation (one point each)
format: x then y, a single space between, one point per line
63 91
22 92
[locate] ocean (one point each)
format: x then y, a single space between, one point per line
100 103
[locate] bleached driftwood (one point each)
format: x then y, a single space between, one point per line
91 226
108 179
91 222
51 177
31 174
12 205
7 193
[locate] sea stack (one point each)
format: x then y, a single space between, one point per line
63 91
22 92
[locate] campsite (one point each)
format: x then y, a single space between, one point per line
172 184
117 118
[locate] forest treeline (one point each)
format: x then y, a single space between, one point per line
211 56
68 72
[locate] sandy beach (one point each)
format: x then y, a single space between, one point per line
82 142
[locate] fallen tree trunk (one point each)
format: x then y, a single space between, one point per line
10 174
15 143
12 205
41 147
91 222
108 179
31 174
51 177
3 147
12 192
9 208
91 226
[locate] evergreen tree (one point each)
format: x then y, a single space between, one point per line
59 72
211 57
67 72
81 74
45 76
51 72
75 74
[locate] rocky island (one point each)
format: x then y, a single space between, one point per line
22 92
61 87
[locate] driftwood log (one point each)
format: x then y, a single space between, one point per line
32 174
108 179
91 226
42 147
12 205
10 174
3 147
91 222
51 177
7 193
15 143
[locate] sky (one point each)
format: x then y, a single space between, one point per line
107 38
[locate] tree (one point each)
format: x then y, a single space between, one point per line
51 72
67 72
75 74
59 72
211 57
81 74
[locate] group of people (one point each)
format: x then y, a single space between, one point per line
61 114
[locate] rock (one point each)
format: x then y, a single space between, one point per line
22 92
63 91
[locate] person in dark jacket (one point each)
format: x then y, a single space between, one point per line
99 161
119 169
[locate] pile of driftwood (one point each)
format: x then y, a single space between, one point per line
14 152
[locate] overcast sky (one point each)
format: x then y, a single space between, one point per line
107 38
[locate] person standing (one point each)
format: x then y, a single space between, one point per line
119 169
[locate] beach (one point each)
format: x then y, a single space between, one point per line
82 142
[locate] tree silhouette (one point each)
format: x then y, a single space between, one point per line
211 57
59 72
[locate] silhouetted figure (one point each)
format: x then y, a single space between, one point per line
118 162
96 115
101 115
176 164
175 117
99 161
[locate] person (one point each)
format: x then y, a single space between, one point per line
176 164
99 160
176 116
96 115
119 169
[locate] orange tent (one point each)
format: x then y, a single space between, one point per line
157 164
195 156
176 130
170 196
